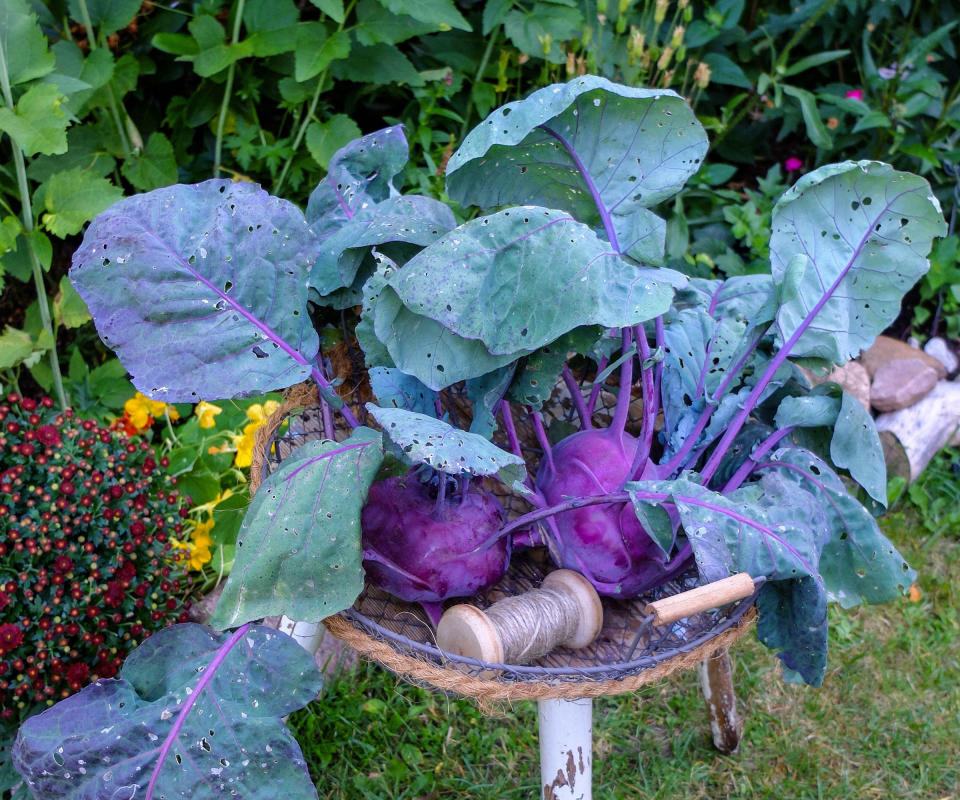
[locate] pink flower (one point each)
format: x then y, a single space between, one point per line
854 94
792 164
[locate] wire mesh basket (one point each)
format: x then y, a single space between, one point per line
629 650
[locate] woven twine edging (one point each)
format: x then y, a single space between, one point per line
487 691
302 395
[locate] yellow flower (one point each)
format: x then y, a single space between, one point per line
244 445
140 410
258 413
206 412
200 543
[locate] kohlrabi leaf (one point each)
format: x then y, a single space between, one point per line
848 240
299 548
856 447
425 440
396 389
854 441
515 281
194 712
411 218
425 348
793 623
601 151
768 530
361 172
485 393
201 290
858 563
537 373
374 352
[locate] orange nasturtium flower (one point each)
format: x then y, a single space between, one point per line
140 411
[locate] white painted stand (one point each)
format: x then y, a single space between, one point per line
306 634
566 748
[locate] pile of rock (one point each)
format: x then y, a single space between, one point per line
915 394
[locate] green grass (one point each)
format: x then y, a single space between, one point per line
885 724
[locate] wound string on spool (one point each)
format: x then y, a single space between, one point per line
534 623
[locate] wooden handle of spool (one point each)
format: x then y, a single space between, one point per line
710 595
465 630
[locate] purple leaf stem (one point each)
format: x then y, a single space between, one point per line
205 679
591 187
625 497
777 361
577 397
751 463
622 410
681 457
535 497
326 413
661 344
595 389
541 435
650 408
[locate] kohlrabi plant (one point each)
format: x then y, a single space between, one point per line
733 462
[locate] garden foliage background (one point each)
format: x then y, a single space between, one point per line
106 98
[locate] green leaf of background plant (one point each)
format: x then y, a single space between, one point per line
380 64
69 309
107 16
37 123
494 12
93 72
155 166
19 347
22 43
332 8
725 71
441 12
178 44
314 54
75 197
816 130
325 138
299 549
271 26
848 239
814 60
539 31
376 25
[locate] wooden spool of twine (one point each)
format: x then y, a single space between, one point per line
487 689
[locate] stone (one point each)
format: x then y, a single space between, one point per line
940 350
886 348
901 383
852 377
925 427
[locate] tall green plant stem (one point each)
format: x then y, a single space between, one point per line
114 109
26 213
227 91
484 60
311 110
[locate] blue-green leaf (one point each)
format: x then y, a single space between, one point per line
299 548
201 290
425 440
848 240
601 151
218 699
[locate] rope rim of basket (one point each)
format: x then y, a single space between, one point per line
485 691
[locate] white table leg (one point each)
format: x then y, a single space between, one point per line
566 749
306 634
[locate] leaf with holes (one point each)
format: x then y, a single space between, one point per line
489 283
299 548
848 240
411 219
424 440
194 714
360 173
201 290
601 151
